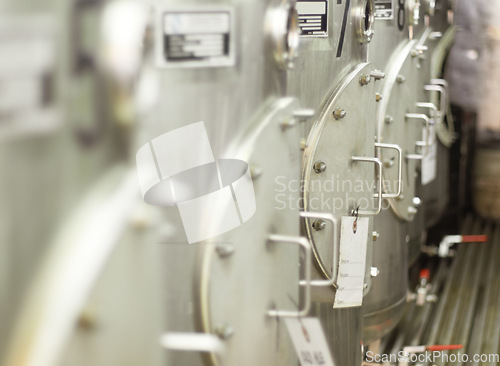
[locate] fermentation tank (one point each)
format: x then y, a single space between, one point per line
242 182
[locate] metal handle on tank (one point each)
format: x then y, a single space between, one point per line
424 144
379 184
400 168
335 244
304 243
442 102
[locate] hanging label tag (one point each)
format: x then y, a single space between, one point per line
429 163
353 242
309 341
384 10
195 38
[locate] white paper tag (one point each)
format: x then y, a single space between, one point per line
309 341
352 262
429 163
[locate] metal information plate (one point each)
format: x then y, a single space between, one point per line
384 9
195 38
309 341
353 242
313 18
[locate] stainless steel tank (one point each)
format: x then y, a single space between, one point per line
399 122
405 116
436 193
332 77
235 286
56 137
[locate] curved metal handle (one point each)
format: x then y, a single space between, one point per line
304 243
192 342
442 102
434 113
444 96
434 110
400 168
379 184
335 243
424 144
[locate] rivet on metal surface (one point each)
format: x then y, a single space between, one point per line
365 79
288 123
255 172
416 201
374 271
378 97
303 143
375 235
319 167
319 225
400 79
388 120
224 331
87 319
412 210
339 113
224 249
389 163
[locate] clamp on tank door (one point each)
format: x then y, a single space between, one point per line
364 18
335 244
306 245
414 12
123 40
430 7
379 184
424 144
400 168
282 27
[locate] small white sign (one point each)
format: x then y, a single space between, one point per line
429 163
195 38
309 341
353 242
384 10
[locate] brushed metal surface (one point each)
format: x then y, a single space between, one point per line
345 184
238 290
